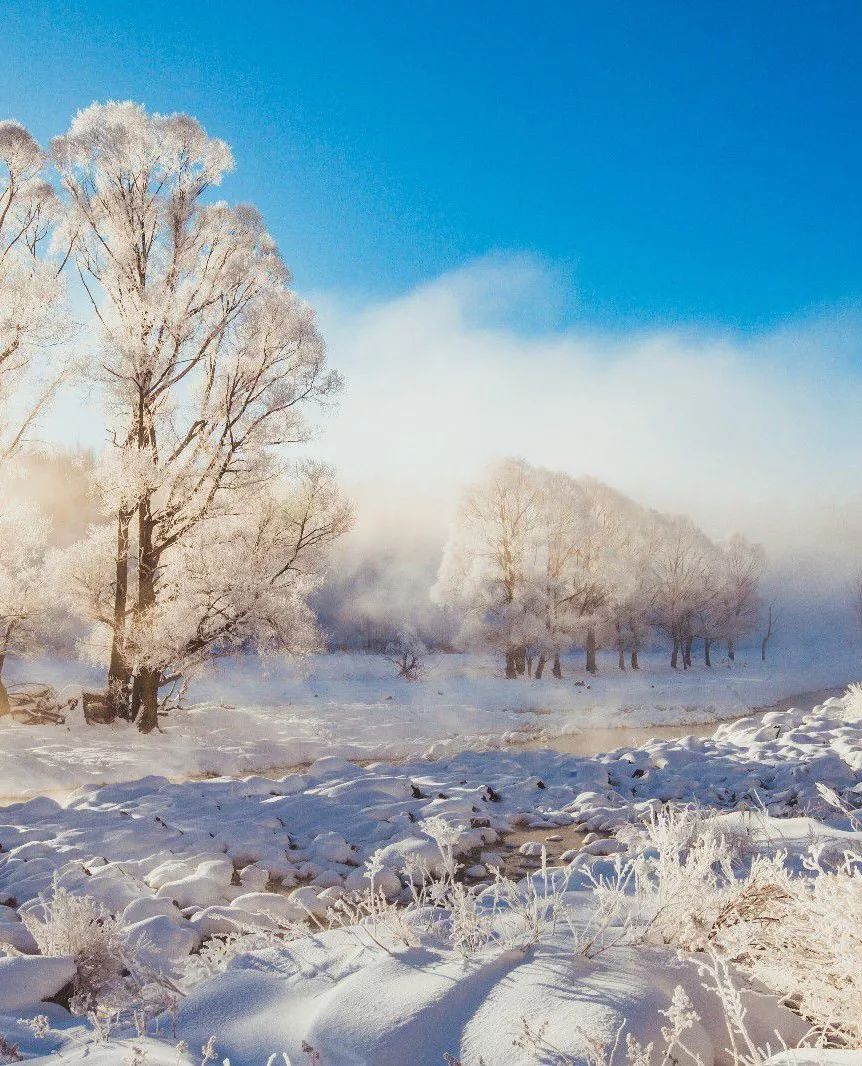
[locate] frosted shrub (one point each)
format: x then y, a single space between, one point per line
371 909
80 927
218 952
673 889
853 700
532 909
466 918
508 914
804 941
797 934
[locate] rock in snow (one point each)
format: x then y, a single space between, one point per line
27 980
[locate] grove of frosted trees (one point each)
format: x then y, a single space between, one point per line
204 362
539 562
171 310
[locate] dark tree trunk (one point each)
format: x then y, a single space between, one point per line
766 637
621 651
521 663
557 669
592 668
119 675
674 656
686 652
135 708
4 695
149 716
707 658
731 651
511 670
529 666
635 663
147 679
540 667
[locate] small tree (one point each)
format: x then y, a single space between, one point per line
742 566
407 653
489 568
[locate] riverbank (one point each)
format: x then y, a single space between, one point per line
251 716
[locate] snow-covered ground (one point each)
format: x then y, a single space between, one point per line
180 863
253 715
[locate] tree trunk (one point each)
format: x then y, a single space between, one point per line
592 668
635 663
621 652
511 671
148 676
731 651
149 717
4 695
674 657
521 662
529 666
135 708
119 674
686 652
707 659
540 667
557 669
766 637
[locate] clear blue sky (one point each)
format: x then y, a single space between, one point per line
678 162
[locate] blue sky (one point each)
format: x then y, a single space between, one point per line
620 239
672 163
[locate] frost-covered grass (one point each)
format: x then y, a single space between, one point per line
570 919
328 910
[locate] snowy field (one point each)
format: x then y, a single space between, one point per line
256 715
220 906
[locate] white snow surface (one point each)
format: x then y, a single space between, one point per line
180 861
254 715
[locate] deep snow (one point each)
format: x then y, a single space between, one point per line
182 861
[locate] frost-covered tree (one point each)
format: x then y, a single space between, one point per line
679 572
561 512
25 596
741 568
530 564
629 599
31 292
539 562
210 360
489 568
576 535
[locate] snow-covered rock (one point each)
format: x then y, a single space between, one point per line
26 980
164 937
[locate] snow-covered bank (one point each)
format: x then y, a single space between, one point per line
252 715
179 863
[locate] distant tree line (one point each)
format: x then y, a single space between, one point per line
539 562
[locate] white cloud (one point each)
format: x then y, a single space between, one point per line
759 434
742 433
